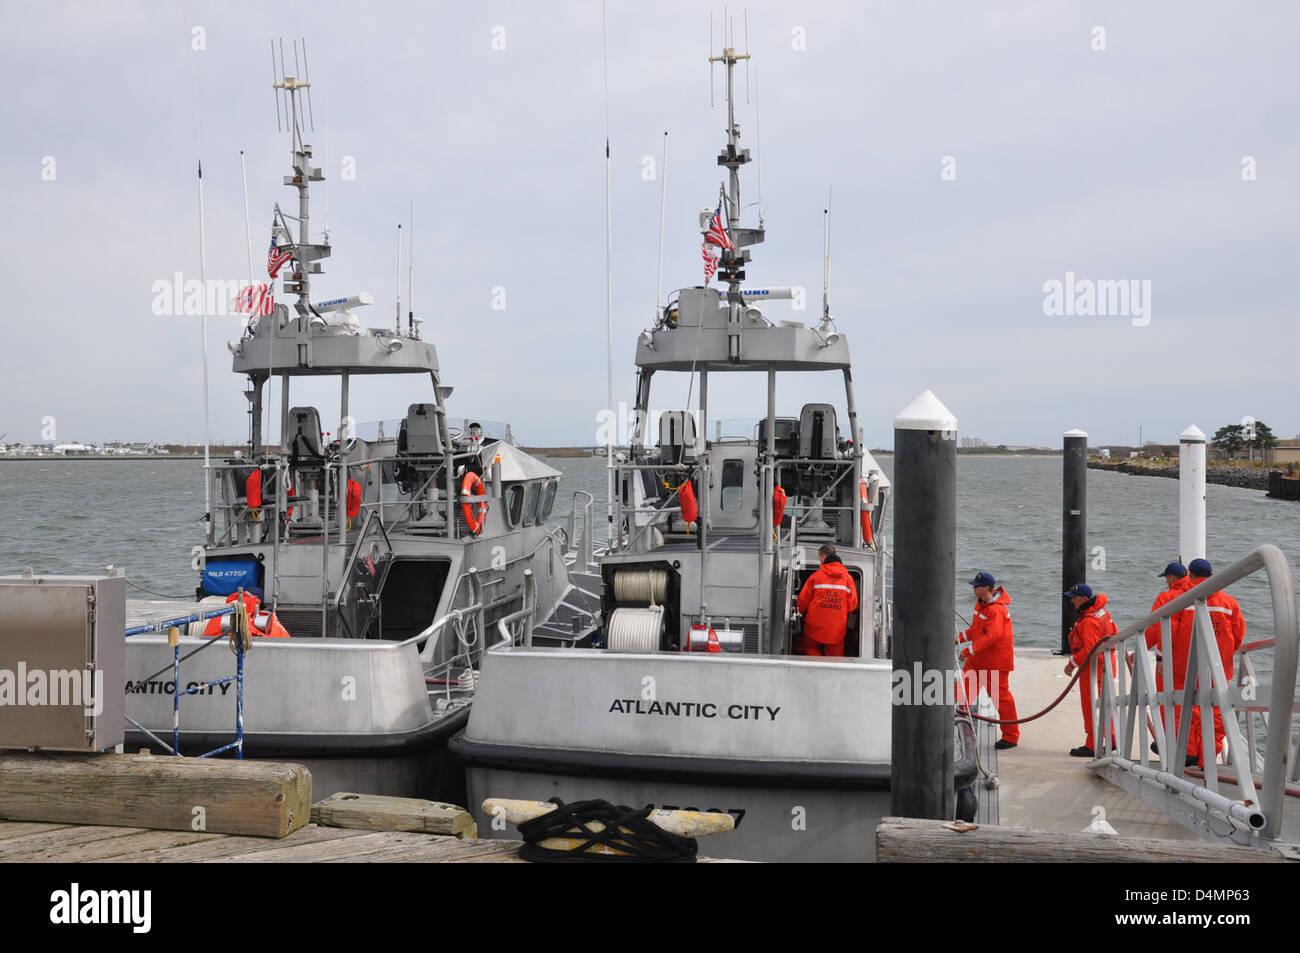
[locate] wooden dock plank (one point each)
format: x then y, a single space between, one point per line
21 828
262 798
311 853
231 844
374 812
61 839
126 846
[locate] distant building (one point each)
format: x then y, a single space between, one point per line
973 443
1286 451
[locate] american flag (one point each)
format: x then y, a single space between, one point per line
710 260
275 258
254 300
717 233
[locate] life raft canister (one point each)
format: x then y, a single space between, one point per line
865 494
471 486
262 623
253 489
690 511
778 505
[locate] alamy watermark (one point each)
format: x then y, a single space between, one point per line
54 688
1104 297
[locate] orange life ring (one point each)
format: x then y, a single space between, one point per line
865 495
778 505
472 486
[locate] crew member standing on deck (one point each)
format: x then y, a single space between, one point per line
1092 625
1229 632
1176 582
826 602
988 651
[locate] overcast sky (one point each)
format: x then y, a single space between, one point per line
1155 142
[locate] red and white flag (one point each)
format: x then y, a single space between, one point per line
710 254
717 233
275 257
253 300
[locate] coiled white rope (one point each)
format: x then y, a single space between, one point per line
635 630
641 585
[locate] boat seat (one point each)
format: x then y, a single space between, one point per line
305 449
817 432
676 437
419 434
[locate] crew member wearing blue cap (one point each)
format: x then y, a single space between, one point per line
1093 625
1229 633
988 651
1176 581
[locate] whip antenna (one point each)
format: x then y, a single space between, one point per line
663 198
609 281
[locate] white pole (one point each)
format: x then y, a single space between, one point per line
248 228
203 300
410 278
1191 494
609 296
399 280
663 198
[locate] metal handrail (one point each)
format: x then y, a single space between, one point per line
1122 710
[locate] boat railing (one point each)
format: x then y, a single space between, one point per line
235 523
234 624
1244 804
585 551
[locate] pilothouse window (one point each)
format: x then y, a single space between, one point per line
515 503
733 489
530 505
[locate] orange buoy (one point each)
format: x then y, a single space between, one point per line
690 511
778 505
472 486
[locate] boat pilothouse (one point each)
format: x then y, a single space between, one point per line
693 694
387 554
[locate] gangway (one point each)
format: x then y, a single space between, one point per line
1240 802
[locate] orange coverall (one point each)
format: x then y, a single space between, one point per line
825 601
991 644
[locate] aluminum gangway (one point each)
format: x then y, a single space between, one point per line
1241 801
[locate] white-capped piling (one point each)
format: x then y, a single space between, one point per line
1191 494
925 567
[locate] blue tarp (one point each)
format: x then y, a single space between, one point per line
224 577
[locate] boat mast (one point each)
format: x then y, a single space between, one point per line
731 264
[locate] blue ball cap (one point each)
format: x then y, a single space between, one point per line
984 579
1200 567
1080 589
1173 569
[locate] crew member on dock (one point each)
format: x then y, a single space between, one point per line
1176 583
826 601
1093 625
988 651
1229 633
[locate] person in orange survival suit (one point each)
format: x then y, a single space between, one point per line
1229 633
1092 625
826 601
1177 583
988 651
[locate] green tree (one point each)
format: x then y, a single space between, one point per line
1229 439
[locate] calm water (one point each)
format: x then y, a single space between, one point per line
80 516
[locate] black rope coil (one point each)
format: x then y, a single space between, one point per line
626 830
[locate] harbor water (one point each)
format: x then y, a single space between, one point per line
78 516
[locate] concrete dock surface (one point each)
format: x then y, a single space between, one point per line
1041 786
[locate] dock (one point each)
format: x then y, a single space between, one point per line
1043 788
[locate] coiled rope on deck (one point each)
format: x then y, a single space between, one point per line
625 829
